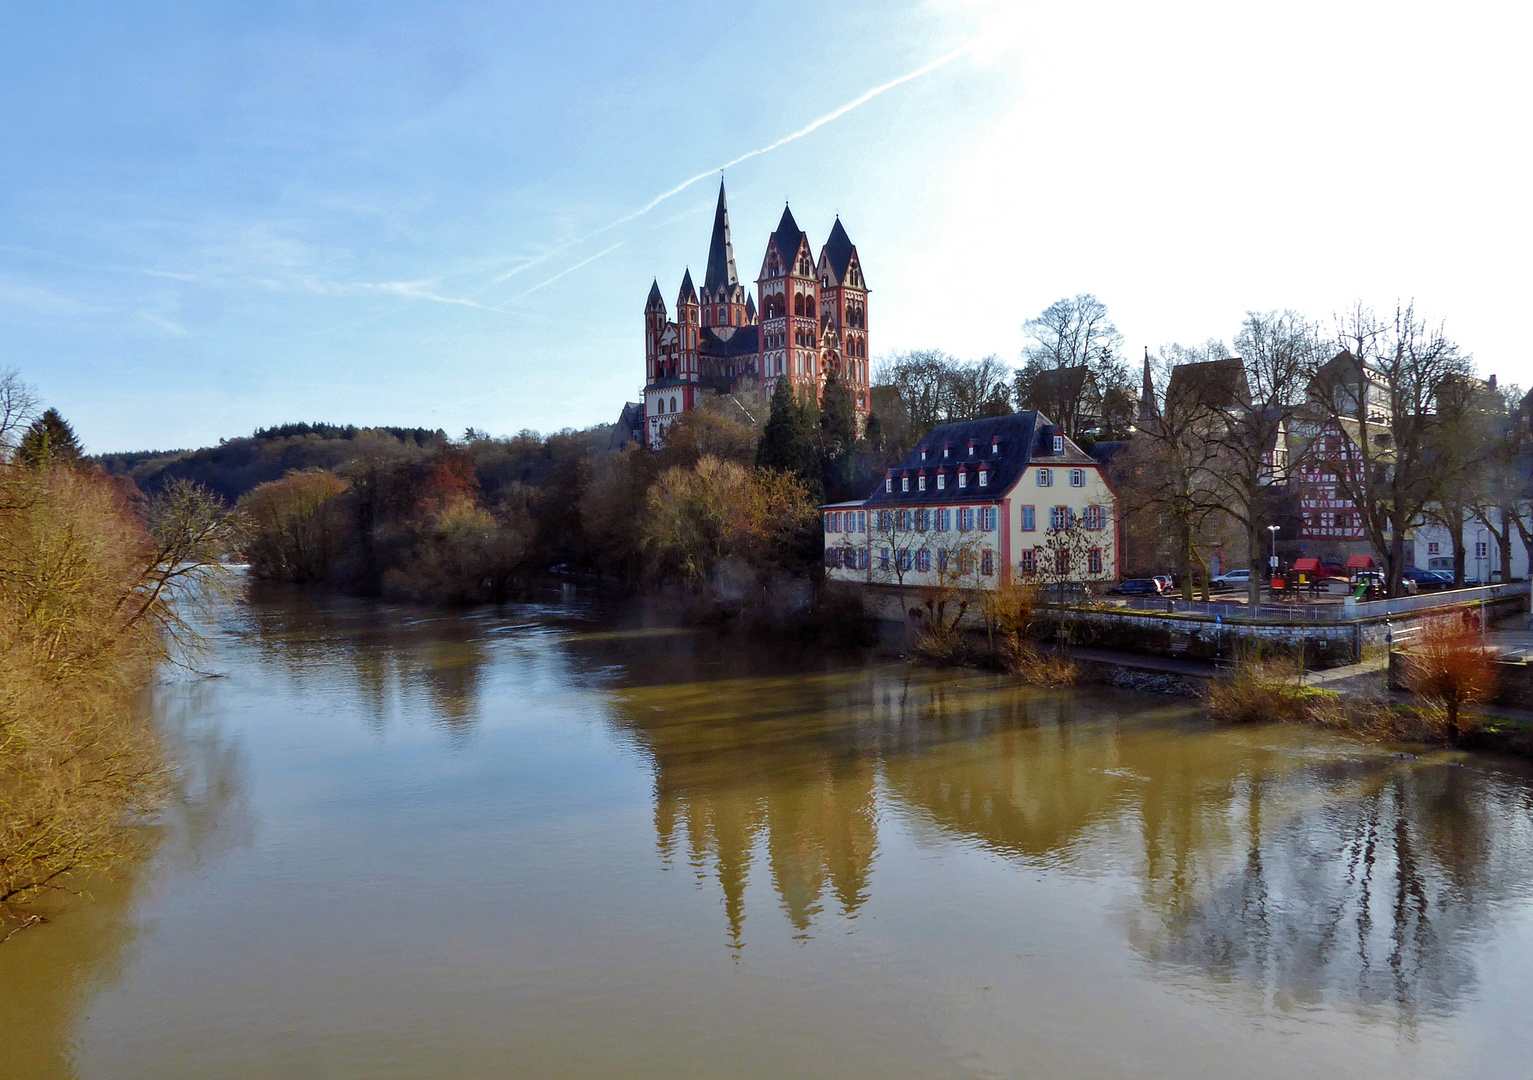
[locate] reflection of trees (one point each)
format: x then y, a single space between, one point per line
1372 896
391 654
49 973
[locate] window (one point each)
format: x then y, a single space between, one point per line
944 519
904 483
883 520
941 559
995 447
923 453
965 518
1059 518
921 482
862 521
987 562
923 520
1029 519
1479 549
883 559
941 481
1433 547
1059 444
1095 518
1094 561
987 518
888 483
1045 477
923 560
945 450
862 559
984 478
1061 562
1029 563
673 408
830 522
1077 477
832 558
963 478
905 560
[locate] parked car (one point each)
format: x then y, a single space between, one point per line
1136 587
1235 579
1166 582
1428 580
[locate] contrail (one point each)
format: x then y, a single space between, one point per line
570 270
834 114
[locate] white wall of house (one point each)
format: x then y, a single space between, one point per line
1482 555
994 535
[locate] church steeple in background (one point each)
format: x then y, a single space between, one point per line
721 252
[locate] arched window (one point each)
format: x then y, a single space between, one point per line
798 304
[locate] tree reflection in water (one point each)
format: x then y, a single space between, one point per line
394 655
1281 861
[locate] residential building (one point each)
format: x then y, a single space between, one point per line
977 504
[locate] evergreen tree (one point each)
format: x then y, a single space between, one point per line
48 439
788 440
838 438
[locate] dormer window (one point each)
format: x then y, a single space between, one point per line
941 481
984 477
888 483
904 483
971 449
995 447
921 482
963 478
923 453
945 450
1059 444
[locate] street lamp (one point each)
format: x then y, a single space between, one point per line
1272 563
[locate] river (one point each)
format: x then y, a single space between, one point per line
549 841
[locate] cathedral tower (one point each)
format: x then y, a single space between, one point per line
790 306
844 313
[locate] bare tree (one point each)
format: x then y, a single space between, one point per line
1248 425
1168 471
18 408
1070 363
1380 396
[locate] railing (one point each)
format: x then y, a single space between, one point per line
1347 611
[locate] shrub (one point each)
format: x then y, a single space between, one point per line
1448 666
1260 689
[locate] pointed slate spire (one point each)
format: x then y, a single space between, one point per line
787 236
1147 393
750 313
655 301
838 251
721 252
688 294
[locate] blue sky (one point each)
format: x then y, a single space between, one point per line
220 216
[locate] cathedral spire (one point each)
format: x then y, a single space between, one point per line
721 252
1147 393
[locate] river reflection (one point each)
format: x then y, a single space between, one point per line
550 841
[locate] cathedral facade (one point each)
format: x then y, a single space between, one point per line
807 318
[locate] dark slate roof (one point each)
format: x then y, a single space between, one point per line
721 251
750 310
1212 384
1104 450
655 301
668 384
838 251
1027 438
743 342
688 294
787 236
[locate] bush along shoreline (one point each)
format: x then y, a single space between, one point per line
94 586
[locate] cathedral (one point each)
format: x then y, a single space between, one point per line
806 319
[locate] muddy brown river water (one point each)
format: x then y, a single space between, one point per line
553 842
